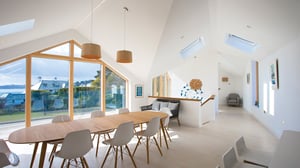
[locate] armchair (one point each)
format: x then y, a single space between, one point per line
233 99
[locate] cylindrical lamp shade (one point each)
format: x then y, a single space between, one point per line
91 51
124 56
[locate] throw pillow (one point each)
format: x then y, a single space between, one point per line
155 105
163 104
172 106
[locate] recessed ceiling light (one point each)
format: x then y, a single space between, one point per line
16 27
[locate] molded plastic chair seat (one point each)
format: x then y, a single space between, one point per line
57 119
251 155
6 156
122 137
151 130
104 133
230 160
75 145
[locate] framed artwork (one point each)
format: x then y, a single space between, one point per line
274 75
139 91
248 78
224 79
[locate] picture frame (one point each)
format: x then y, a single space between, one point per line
274 75
248 78
139 91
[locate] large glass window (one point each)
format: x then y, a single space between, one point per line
115 91
12 95
52 70
86 88
49 87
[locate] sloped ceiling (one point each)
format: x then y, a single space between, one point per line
269 23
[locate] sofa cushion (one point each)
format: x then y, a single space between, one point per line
156 105
163 104
172 106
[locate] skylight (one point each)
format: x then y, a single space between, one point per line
240 43
16 27
192 48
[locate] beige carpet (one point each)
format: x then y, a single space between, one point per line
190 147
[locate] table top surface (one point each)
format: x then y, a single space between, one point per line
56 131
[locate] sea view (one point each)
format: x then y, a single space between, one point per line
2 91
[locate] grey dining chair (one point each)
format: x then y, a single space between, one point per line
152 129
7 157
71 150
252 156
96 114
122 137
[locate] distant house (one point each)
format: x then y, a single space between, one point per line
50 85
12 101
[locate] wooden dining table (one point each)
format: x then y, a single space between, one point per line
46 133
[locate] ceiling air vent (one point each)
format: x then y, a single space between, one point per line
240 43
192 48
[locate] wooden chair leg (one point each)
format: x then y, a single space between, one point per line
85 162
68 163
53 151
178 122
63 163
121 152
147 148
130 156
36 145
139 139
106 156
116 158
166 130
97 145
157 146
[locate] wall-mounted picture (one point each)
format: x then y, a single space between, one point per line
274 75
248 78
139 92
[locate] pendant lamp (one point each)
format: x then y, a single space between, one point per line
124 56
91 50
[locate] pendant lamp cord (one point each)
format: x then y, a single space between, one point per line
91 28
124 22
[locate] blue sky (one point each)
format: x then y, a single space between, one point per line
14 73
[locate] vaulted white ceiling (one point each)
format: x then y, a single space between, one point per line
270 23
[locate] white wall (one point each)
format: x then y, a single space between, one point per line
234 85
181 29
285 114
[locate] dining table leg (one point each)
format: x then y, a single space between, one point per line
164 133
43 153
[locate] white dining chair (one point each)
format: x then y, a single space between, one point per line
165 123
75 145
57 119
229 159
122 137
7 157
126 110
123 110
252 156
152 129
95 114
